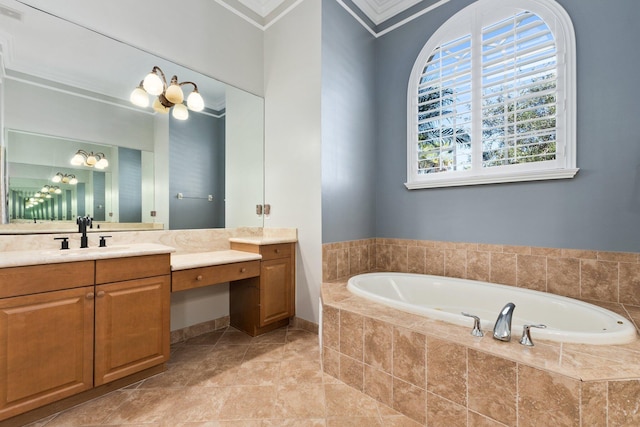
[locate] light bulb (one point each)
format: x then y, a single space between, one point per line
52 189
56 178
73 181
159 108
49 196
58 191
139 97
102 163
174 93
64 180
153 84
91 160
37 194
77 160
180 112
195 101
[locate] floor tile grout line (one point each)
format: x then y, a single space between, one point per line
307 353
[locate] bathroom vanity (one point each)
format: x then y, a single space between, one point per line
266 302
75 324
78 323
261 276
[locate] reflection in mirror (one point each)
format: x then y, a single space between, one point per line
41 162
67 88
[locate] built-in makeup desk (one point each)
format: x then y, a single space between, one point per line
261 277
189 271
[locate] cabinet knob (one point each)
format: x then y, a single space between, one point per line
100 294
199 277
243 270
90 295
277 251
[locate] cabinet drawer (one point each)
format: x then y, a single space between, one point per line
205 276
283 250
137 267
16 281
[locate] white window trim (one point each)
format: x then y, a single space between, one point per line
565 164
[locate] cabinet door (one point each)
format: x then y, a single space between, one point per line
276 283
46 348
132 327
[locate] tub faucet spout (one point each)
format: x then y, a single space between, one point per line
502 328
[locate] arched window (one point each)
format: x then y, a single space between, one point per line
491 97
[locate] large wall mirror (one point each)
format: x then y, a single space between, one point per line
66 90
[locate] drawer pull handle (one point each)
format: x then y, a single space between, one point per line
199 277
100 294
90 295
243 270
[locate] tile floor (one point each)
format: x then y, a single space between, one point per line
227 378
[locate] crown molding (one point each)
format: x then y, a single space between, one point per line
379 11
376 16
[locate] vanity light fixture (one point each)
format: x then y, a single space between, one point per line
50 189
65 178
168 96
90 159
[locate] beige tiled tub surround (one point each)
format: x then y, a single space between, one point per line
608 279
437 374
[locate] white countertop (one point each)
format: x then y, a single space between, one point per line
263 240
49 256
205 259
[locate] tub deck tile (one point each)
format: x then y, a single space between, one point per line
583 361
556 383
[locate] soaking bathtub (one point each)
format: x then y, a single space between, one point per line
443 298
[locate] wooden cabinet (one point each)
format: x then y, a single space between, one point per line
264 303
131 317
46 348
48 314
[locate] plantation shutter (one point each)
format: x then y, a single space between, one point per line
519 76
492 97
444 109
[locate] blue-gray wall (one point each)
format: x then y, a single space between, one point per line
348 127
81 194
598 209
130 184
99 196
196 169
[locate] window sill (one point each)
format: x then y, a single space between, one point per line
493 179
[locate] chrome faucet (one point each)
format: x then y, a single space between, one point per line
502 328
83 222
